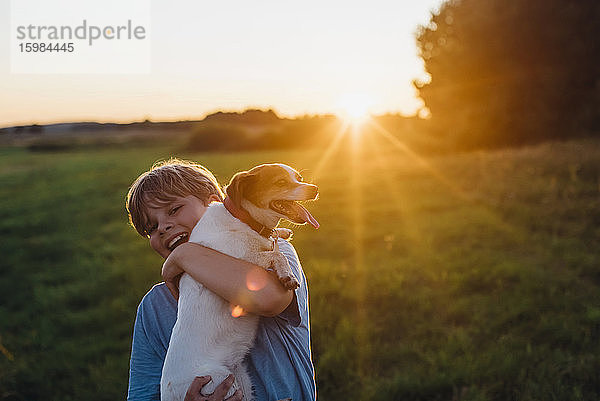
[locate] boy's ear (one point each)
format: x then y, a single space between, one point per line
238 187
212 198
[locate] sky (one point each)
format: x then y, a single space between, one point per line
296 57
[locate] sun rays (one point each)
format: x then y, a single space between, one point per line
365 132
376 166
358 224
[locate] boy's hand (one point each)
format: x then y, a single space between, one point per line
194 391
171 273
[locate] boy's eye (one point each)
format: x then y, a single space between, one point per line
151 228
175 209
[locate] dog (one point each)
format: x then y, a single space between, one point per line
206 338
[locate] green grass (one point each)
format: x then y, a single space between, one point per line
472 277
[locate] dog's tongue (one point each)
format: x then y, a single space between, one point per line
306 216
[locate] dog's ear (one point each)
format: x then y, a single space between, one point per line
238 186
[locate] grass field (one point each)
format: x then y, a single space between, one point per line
473 276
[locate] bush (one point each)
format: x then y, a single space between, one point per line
211 137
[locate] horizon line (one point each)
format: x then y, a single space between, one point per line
202 118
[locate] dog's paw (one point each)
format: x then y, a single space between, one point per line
282 269
283 233
288 281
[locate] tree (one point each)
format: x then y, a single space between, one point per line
512 72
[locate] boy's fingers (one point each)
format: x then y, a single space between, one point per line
170 269
167 272
195 387
173 289
173 286
223 388
237 396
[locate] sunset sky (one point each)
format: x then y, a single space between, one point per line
295 57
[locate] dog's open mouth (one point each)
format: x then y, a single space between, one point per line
294 211
180 239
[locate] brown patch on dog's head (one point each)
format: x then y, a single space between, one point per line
254 185
271 180
239 186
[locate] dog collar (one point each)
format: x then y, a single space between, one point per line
244 217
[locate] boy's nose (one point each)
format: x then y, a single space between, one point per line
164 227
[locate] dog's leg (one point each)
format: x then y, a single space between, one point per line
243 379
277 262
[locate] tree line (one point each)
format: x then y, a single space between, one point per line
511 72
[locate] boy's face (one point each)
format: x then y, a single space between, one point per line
171 223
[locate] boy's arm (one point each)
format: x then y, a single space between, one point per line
145 365
241 283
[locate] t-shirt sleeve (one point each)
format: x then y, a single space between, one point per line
145 366
292 313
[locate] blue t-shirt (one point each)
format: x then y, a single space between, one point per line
279 364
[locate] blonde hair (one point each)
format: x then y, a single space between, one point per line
162 183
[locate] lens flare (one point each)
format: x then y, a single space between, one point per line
237 311
255 280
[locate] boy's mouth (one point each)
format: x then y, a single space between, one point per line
177 240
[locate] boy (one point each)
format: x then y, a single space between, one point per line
164 205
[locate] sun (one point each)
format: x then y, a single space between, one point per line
354 108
